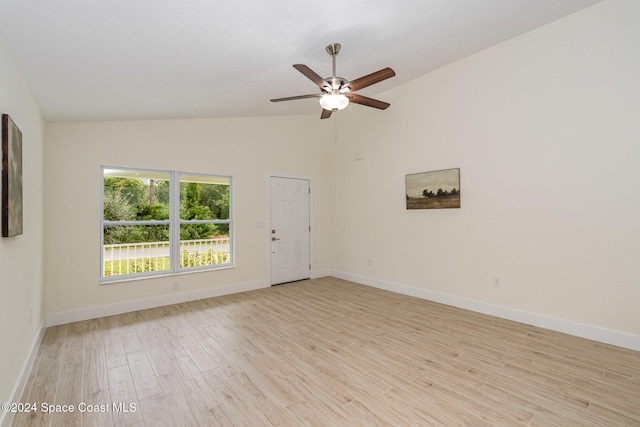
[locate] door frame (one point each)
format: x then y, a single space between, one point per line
268 224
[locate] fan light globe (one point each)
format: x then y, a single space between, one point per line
334 101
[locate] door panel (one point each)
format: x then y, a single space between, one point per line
290 235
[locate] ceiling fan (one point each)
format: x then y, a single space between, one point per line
336 92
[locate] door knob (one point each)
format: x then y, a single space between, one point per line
273 239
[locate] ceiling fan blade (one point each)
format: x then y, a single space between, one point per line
311 75
291 98
325 114
370 79
369 102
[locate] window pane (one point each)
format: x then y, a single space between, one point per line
132 249
206 251
144 225
132 195
204 197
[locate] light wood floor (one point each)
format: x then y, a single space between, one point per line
328 352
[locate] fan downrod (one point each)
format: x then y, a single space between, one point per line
335 82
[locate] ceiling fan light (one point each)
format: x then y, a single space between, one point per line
334 101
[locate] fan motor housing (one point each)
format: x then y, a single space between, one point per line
335 83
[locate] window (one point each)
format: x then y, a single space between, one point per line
161 222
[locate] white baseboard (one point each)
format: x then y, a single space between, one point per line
595 333
320 273
143 304
7 417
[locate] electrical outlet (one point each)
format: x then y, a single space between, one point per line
176 286
369 262
496 282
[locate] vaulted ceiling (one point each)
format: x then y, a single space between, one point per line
151 59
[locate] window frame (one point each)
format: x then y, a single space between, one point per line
174 223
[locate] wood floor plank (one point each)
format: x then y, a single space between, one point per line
320 398
144 379
200 355
202 390
430 411
327 352
96 379
69 395
123 392
175 392
269 382
254 396
157 412
98 410
114 349
361 414
234 407
42 386
130 339
158 357
308 415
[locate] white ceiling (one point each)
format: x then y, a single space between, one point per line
151 59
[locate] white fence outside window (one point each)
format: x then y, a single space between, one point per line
128 258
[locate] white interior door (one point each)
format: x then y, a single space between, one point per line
290 231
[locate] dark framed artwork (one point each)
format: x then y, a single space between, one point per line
11 178
433 190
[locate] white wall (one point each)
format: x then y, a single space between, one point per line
546 130
21 264
249 149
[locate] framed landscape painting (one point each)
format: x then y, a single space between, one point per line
11 178
433 190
